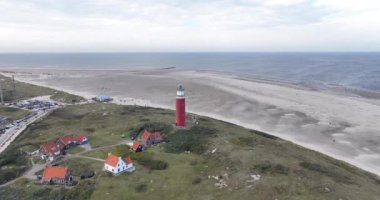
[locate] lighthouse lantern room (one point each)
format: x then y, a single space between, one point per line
180 112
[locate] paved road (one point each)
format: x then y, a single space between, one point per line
12 133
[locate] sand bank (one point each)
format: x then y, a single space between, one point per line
346 127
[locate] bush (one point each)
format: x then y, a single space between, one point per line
264 135
194 140
326 171
262 167
13 157
235 141
7 175
82 191
106 174
44 192
153 164
141 188
22 181
196 181
194 162
90 130
280 169
267 167
248 141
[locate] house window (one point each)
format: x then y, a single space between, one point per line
112 170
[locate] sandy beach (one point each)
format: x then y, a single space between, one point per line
340 124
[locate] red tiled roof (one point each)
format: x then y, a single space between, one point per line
67 139
51 147
135 145
145 135
54 172
156 135
128 160
112 160
79 138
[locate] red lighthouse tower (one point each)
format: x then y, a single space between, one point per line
180 112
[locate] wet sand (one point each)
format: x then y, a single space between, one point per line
344 125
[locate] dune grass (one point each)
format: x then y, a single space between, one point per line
74 150
21 91
13 113
211 149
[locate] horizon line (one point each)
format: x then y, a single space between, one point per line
184 52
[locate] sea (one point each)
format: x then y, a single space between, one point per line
355 70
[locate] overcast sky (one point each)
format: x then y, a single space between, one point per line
189 25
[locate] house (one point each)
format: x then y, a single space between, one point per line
137 147
56 175
148 138
116 165
67 141
51 150
81 139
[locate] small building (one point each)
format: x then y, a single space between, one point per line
137 147
56 175
51 150
81 139
148 138
102 98
67 141
117 165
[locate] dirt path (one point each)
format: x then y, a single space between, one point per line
87 157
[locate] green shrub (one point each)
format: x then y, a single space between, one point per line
268 167
330 172
248 141
13 157
196 181
194 162
22 181
81 191
153 164
235 141
141 188
43 192
90 130
193 139
266 135
280 169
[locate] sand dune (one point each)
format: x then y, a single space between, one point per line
346 127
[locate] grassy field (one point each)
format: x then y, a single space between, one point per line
12 113
66 97
22 90
212 148
25 91
75 150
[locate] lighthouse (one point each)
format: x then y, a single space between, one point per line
180 112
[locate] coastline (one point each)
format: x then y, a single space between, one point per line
277 109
